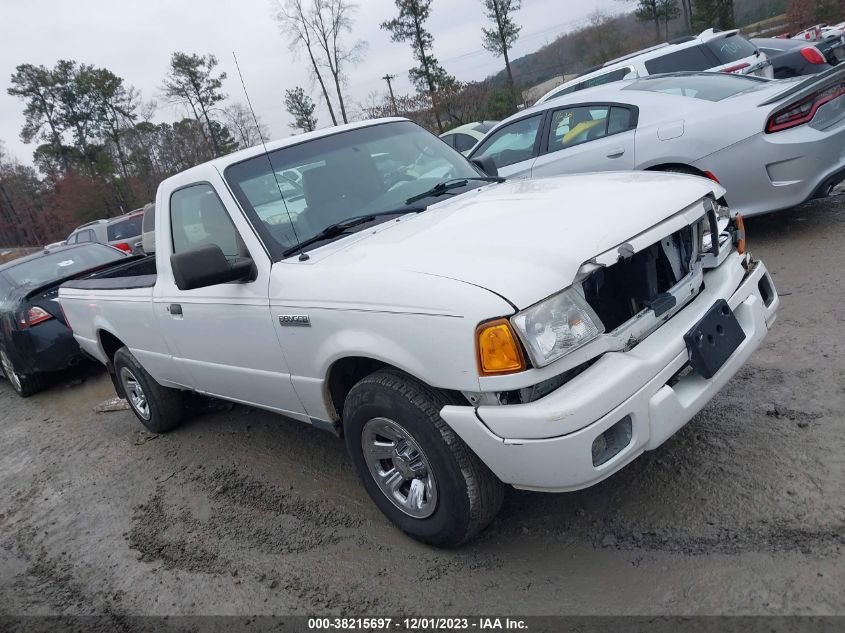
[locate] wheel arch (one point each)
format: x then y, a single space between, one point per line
109 344
671 166
345 372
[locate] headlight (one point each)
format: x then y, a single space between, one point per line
554 327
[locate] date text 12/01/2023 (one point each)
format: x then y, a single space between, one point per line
417 624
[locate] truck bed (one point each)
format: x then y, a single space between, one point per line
138 273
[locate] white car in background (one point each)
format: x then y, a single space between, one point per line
718 51
464 137
819 32
771 144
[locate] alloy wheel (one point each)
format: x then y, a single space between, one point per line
10 372
399 467
134 393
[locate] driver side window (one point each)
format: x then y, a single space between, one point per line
513 143
198 218
572 126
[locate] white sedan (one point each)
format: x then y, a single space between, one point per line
771 144
464 137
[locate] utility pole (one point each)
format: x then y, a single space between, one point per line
387 78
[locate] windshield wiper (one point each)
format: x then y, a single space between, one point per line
339 228
442 187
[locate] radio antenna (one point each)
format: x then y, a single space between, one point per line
303 256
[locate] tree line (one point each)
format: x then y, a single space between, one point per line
99 152
317 31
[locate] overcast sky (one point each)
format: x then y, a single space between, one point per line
134 39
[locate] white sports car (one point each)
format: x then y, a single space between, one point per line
771 144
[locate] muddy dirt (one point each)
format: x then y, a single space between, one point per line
243 512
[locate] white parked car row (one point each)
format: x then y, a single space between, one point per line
716 51
771 144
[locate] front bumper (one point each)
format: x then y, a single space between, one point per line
620 384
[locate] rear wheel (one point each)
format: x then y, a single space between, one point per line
414 467
24 384
158 408
680 169
689 171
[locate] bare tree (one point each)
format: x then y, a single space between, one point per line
604 36
294 22
686 7
329 20
239 120
669 11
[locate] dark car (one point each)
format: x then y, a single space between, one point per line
795 58
34 336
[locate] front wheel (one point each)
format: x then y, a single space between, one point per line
158 408
414 467
24 385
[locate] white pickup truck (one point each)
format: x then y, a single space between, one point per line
460 332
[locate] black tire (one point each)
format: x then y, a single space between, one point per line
680 169
24 385
468 495
689 171
164 408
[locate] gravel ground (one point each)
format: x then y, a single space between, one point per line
243 512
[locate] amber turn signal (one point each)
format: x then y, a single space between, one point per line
739 236
498 350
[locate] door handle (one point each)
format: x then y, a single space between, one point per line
174 309
616 153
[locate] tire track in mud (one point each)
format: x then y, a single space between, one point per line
780 538
245 515
241 513
48 580
710 500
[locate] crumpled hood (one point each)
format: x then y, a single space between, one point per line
526 239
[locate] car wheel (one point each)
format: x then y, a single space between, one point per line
689 171
415 468
158 408
24 385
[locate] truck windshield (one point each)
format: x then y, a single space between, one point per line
327 180
65 263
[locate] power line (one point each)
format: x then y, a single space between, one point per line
525 36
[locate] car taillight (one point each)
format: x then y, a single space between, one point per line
812 55
124 247
737 68
35 316
803 111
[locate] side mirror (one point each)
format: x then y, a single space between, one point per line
205 266
486 164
